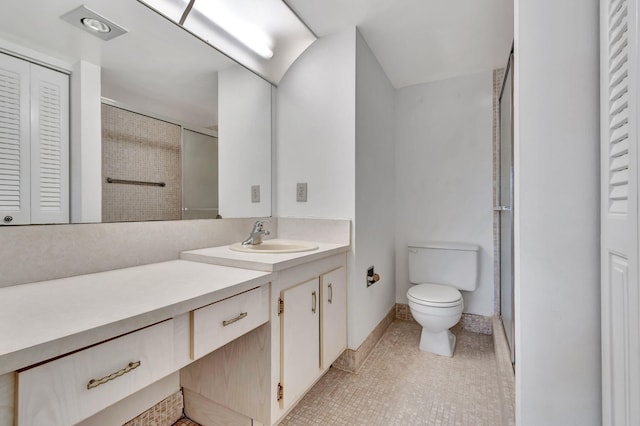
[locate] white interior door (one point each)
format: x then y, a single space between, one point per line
619 213
15 141
506 208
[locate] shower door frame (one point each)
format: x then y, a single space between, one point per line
506 214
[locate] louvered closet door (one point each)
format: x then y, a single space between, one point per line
14 141
49 146
619 215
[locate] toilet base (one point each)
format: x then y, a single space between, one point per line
441 343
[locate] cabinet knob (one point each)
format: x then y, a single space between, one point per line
8 219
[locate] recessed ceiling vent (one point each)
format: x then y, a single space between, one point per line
93 23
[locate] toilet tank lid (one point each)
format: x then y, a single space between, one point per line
444 245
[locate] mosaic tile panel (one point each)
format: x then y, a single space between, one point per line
140 148
506 376
164 413
400 385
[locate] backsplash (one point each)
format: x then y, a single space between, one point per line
44 252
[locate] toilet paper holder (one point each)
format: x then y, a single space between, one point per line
372 277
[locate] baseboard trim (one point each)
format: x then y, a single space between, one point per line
351 360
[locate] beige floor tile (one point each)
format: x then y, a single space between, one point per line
400 385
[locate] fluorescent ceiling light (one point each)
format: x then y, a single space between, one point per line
222 14
263 35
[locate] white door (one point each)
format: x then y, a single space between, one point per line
506 208
333 315
15 160
620 305
34 143
299 339
49 146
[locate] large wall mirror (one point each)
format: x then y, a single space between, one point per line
162 126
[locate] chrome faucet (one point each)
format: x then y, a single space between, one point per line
257 232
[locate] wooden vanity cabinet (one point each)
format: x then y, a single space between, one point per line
299 339
71 388
313 331
333 316
274 365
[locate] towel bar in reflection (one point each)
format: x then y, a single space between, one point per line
135 182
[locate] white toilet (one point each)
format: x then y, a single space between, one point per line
438 270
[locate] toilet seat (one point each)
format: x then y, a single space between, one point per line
436 295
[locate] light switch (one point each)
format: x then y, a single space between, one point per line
301 192
255 193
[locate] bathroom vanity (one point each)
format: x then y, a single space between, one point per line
249 333
306 334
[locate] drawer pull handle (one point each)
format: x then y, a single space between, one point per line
232 320
94 383
313 302
330 293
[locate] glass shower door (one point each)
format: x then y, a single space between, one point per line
199 175
506 208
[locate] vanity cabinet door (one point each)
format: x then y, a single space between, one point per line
333 316
300 339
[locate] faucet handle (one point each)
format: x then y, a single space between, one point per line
259 224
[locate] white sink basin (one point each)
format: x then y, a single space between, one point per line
275 246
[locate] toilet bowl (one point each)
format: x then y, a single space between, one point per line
438 270
436 308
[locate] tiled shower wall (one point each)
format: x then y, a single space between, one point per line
140 148
498 76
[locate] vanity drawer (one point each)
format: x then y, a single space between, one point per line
215 325
69 389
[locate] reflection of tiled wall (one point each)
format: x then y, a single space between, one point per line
137 147
498 76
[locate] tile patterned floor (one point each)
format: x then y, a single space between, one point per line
185 422
400 385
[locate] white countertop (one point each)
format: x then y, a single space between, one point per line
268 262
46 319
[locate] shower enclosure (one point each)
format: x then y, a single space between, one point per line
505 207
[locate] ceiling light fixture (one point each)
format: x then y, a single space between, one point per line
93 23
265 36
221 15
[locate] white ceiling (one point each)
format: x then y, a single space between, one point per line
157 67
418 41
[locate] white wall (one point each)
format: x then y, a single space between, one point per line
374 197
557 285
443 159
244 142
316 131
86 144
335 101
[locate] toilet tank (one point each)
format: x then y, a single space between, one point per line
453 264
